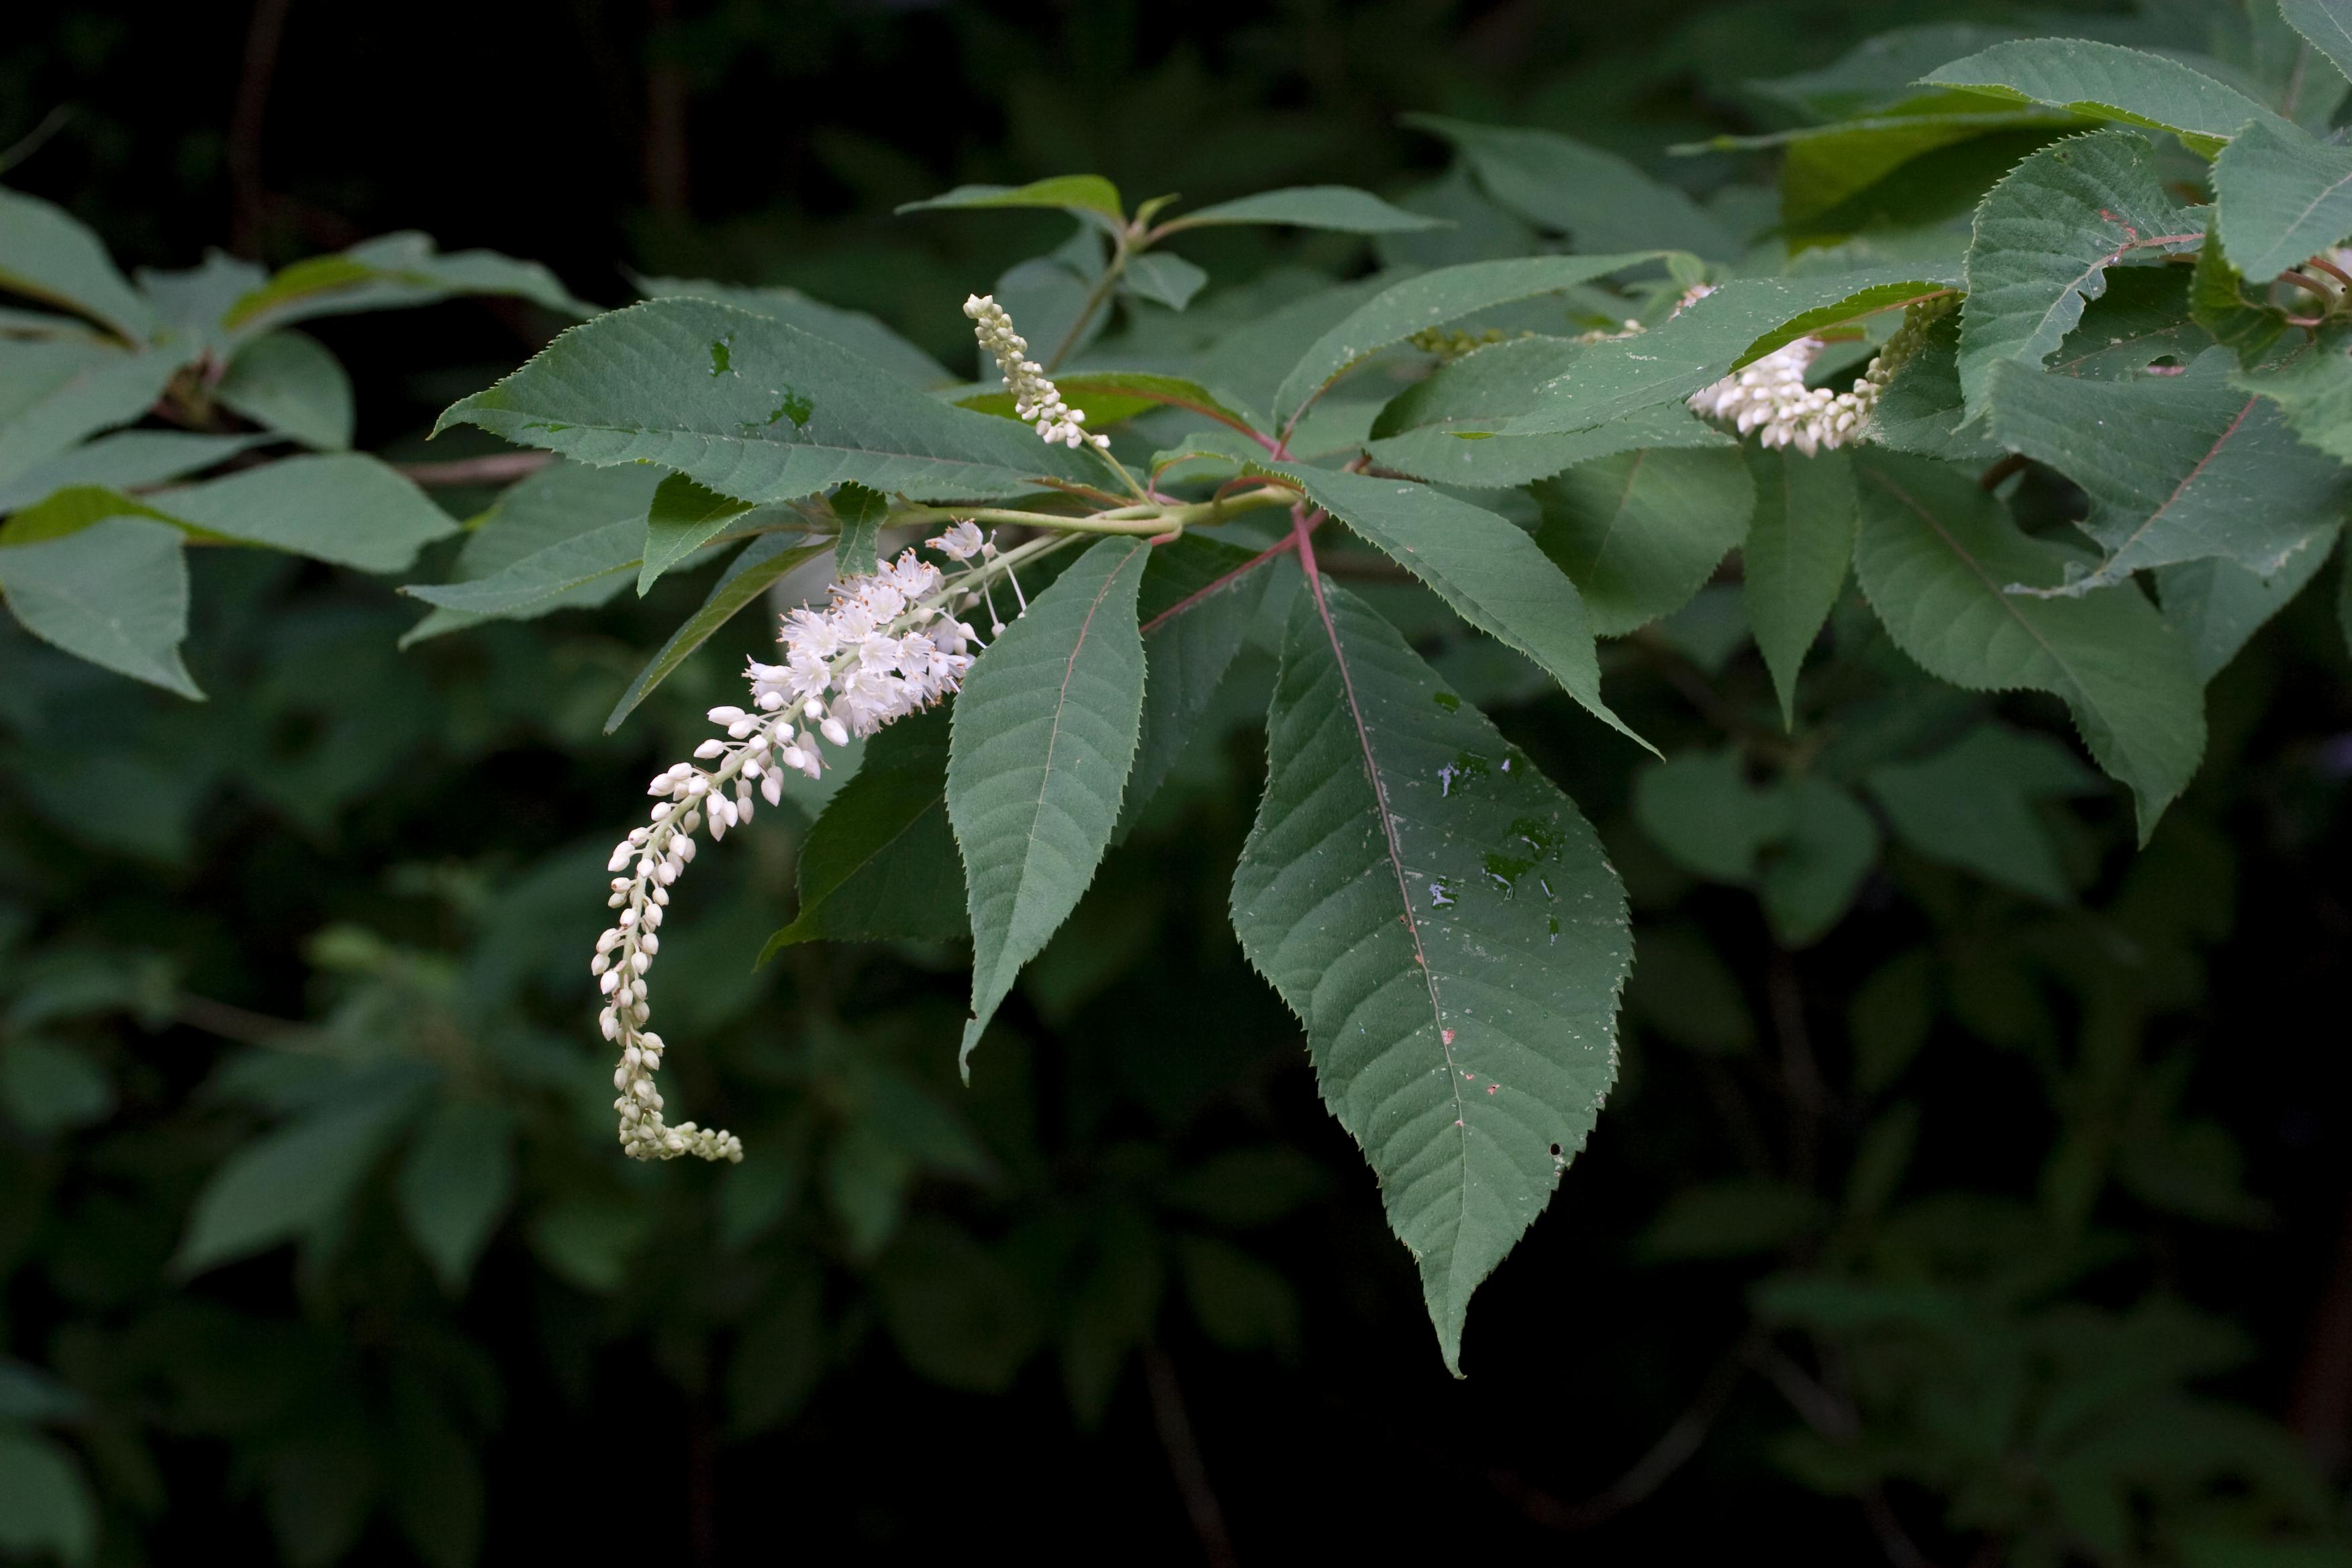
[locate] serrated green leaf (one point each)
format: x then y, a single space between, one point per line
288 382
1695 346
756 409
863 335
1601 201
115 593
455 1182
391 272
1798 543
1486 568
1811 876
288 1183
1431 300
345 507
2217 606
56 391
124 461
557 503
2327 23
1419 432
880 862
2280 196
1443 921
1342 208
1194 617
747 577
46 254
1164 278
1971 805
681 519
1639 532
1090 195
1044 732
2177 467
2045 236
1936 552
1879 72
2107 81
861 511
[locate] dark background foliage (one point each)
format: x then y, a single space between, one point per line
2093 1158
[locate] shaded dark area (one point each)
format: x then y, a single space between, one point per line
1132 1291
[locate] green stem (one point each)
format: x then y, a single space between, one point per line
1154 518
1094 301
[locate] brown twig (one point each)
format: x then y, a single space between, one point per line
498 469
2320 1409
665 102
231 1022
248 201
1674 1449
1992 478
1176 1439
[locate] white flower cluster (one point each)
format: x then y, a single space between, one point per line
1770 398
883 648
1034 398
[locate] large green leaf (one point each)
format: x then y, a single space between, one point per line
287 381
1342 208
2327 23
881 860
1699 343
1044 732
54 392
2045 236
1432 299
756 409
1642 532
1936 555
2177 467
855 330
47 254
1921 412
761 562
115 593
1439 428
2107 81
345 507
1195 614
2218 605
1799 542
1443 921
558 504
1482 564
2280 196
1972 805
1596 198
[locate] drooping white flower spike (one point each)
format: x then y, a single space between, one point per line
885 647
1770 398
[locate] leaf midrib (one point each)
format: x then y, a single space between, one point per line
1404 897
